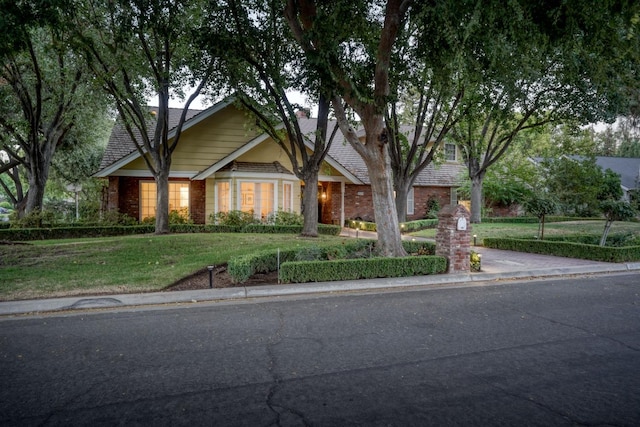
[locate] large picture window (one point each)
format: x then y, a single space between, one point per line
178 198
257 196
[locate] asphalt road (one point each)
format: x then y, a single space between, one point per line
555 352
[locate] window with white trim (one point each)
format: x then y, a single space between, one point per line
410 202
223 196
287 197
178 198
257 197
450 152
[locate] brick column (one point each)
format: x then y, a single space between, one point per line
453 238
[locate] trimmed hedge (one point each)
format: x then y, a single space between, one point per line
421 224
532 219
75 232
567 249
243 267
368 268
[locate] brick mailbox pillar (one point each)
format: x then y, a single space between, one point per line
453 238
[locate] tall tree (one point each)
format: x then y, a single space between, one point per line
423 105
141 48
45 92
354 56
540 62
263 65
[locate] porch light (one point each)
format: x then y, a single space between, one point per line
324 196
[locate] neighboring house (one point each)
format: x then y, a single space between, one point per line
224 163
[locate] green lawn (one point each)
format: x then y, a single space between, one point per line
124 264
502 230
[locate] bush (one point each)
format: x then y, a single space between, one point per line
285 218
35 219
242 268
567 249
433 207
360 225
234 218
421 224
353 269
532 219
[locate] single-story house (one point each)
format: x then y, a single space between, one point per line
224 162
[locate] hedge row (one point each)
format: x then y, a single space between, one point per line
567 249
28 234
420 224
362 268
532 219
243 267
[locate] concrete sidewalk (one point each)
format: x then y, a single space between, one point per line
496 265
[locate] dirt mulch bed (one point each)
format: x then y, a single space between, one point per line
221 279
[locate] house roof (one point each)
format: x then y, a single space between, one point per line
121 150
433 175
120 143
628 168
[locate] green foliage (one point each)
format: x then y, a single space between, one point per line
285 218
35 219
617 210
475 261
234 218
580 184
361 225
420 224
353 269
530 219
567 249
433 207
243 267
540 206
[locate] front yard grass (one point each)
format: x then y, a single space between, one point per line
125 264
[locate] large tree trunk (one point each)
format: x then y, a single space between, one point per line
310 205
402 192
38 174
162 202
476 197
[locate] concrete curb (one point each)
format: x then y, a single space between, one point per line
10 308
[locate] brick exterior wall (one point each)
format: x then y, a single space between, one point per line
358 201
421 196
129 196
197 201
451 243
124 192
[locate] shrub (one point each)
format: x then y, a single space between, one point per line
566 249
235 218
352 269
433 207
360 224
242 268
35 219
285 218
421 224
